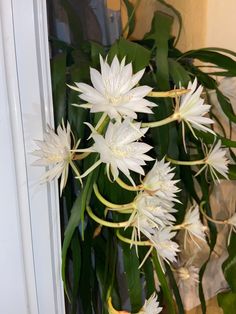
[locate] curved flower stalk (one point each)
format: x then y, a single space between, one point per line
190 110
192 225
55 150
159 181
231 222
119 149
114 90
215 160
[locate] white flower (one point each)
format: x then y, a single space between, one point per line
187 275
159 181
166 248
217 161
192 109
192 224
114 90
119 148
149 208
149 215
55 150
151 306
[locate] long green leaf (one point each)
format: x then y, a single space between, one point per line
131 263
77 216
179 17
58 73
164 285
135 53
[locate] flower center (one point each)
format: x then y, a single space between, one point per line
117 100
183 273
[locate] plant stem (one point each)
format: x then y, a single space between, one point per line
81 156
76 171
105 222
155 124
186 163
129 241
107 203
171 93
164 285
220 222
129 187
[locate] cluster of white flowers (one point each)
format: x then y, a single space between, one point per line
122 149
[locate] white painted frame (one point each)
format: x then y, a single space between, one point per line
33 209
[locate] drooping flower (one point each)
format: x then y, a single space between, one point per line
187 275
114 90
151 306
192 109
166 248
217 161
55 150
159 181
150 214
192 224
120 150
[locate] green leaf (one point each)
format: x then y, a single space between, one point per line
148 272
175 289
232 172
178 73
226 106
135 53
96 50
131 264
227 301
222 61
164 285
76 258
77 216
229 266
178 15
160 32
58 72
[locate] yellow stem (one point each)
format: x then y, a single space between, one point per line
105 222
220 222
81 156
128 187
186 163
129 241
171 93
109 204
155 124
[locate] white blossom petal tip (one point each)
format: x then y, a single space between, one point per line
192 109
193 225
216 161
114 91
151 306
159 181
120 150
55 151
166 248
